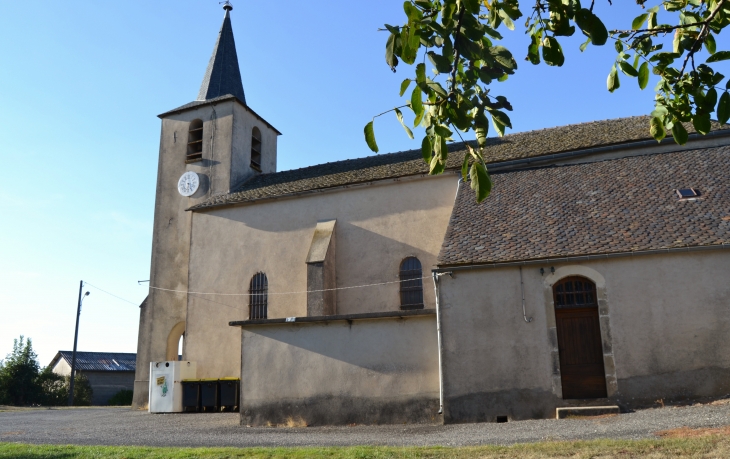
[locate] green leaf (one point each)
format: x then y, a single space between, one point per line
591 26
404 86
501 118
417 105
503 57
436 166
643 75
719 56
723 108
552 53
441 63
390 57
465 167
481 183
421 73
399 115
619 46
657 129
701 122
533 51
426 149
370 137
679 133
628 69
413 13
506 19
613 82
710 44
585 45
636 24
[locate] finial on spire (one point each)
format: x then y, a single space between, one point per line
226 5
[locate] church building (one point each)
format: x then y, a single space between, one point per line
367 291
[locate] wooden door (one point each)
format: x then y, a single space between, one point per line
579 339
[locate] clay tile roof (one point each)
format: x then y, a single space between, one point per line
611 206
393 165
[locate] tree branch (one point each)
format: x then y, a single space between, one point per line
456 51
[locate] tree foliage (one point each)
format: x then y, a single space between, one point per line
19 374
459 39
23 383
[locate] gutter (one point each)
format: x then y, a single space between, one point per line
578 258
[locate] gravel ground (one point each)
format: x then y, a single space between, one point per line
119 426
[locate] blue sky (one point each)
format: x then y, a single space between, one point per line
81 83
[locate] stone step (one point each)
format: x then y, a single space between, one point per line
581 411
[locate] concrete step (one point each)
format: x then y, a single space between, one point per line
581 411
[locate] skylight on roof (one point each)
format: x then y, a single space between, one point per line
687 193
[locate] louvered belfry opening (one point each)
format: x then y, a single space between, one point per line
411 284
195 141
580 346
256 149
258 297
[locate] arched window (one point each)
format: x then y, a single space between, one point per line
411 284
258 297
195 141
256 149
575 292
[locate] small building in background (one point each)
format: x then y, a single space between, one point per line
108 372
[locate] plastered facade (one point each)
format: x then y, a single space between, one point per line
662 338
377 227
340 372
227 129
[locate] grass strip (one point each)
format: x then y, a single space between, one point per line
710 446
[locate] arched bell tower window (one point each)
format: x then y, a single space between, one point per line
258 297
195 141
256 149
411 284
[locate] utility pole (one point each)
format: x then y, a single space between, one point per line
76 338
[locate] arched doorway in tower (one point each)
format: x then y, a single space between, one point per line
579 338
175 341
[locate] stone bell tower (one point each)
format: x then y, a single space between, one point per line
208 147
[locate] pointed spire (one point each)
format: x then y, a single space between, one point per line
223 75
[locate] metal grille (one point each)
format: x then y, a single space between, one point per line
411 284
575 292
258 297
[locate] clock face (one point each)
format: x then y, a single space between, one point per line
188 183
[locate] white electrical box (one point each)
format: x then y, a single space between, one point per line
165 385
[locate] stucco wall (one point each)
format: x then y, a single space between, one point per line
377 227
163 311
664 321
362 371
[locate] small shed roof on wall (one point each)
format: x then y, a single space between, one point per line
99 361
614 206
523 145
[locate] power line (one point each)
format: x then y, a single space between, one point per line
289 293
111 294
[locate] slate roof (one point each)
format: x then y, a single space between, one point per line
611 206
223 75
510 147
99 361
